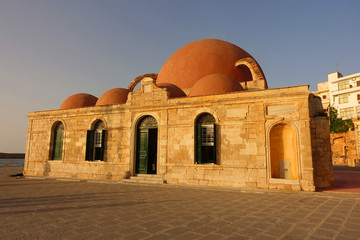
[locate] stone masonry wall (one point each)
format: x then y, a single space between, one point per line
343 147
243 120
76 123
320 141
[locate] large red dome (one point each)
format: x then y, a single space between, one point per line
201 58
79 100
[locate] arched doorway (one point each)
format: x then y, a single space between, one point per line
146 146
283 152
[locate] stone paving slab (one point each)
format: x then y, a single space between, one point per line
51 209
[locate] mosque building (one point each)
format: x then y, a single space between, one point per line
207 118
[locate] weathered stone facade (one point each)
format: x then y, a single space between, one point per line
344 148
206 119
244 122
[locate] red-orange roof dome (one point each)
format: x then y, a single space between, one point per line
215 84
173 90
201 58
113 96
79 100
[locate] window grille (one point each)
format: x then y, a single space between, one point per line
98 137
148 121
95 142
205 139
99 126
207 135
206 119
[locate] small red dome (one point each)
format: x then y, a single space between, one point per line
79 100
113 96
215 84
202 58
173 90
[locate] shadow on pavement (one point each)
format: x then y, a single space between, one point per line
346 179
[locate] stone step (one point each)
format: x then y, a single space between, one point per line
145 178
141 181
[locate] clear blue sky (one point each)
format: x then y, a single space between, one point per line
52 49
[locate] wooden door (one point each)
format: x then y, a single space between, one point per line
142 151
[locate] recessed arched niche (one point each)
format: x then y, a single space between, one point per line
283 152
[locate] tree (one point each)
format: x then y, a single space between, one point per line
338 125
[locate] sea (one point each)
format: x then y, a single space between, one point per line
12 162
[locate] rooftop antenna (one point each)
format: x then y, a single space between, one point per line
337 67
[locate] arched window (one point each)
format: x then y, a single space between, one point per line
95 142
205 139
57 143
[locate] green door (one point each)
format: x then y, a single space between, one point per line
146 146
142 152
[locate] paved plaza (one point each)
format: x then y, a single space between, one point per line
58 209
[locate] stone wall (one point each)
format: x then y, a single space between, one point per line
320 143
321 152
243 123
343 146
73 164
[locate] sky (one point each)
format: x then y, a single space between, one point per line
52 49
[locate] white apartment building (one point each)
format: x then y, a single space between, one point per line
323 92
342 93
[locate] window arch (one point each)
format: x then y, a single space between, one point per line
57 141
205 139
148 122
95 142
